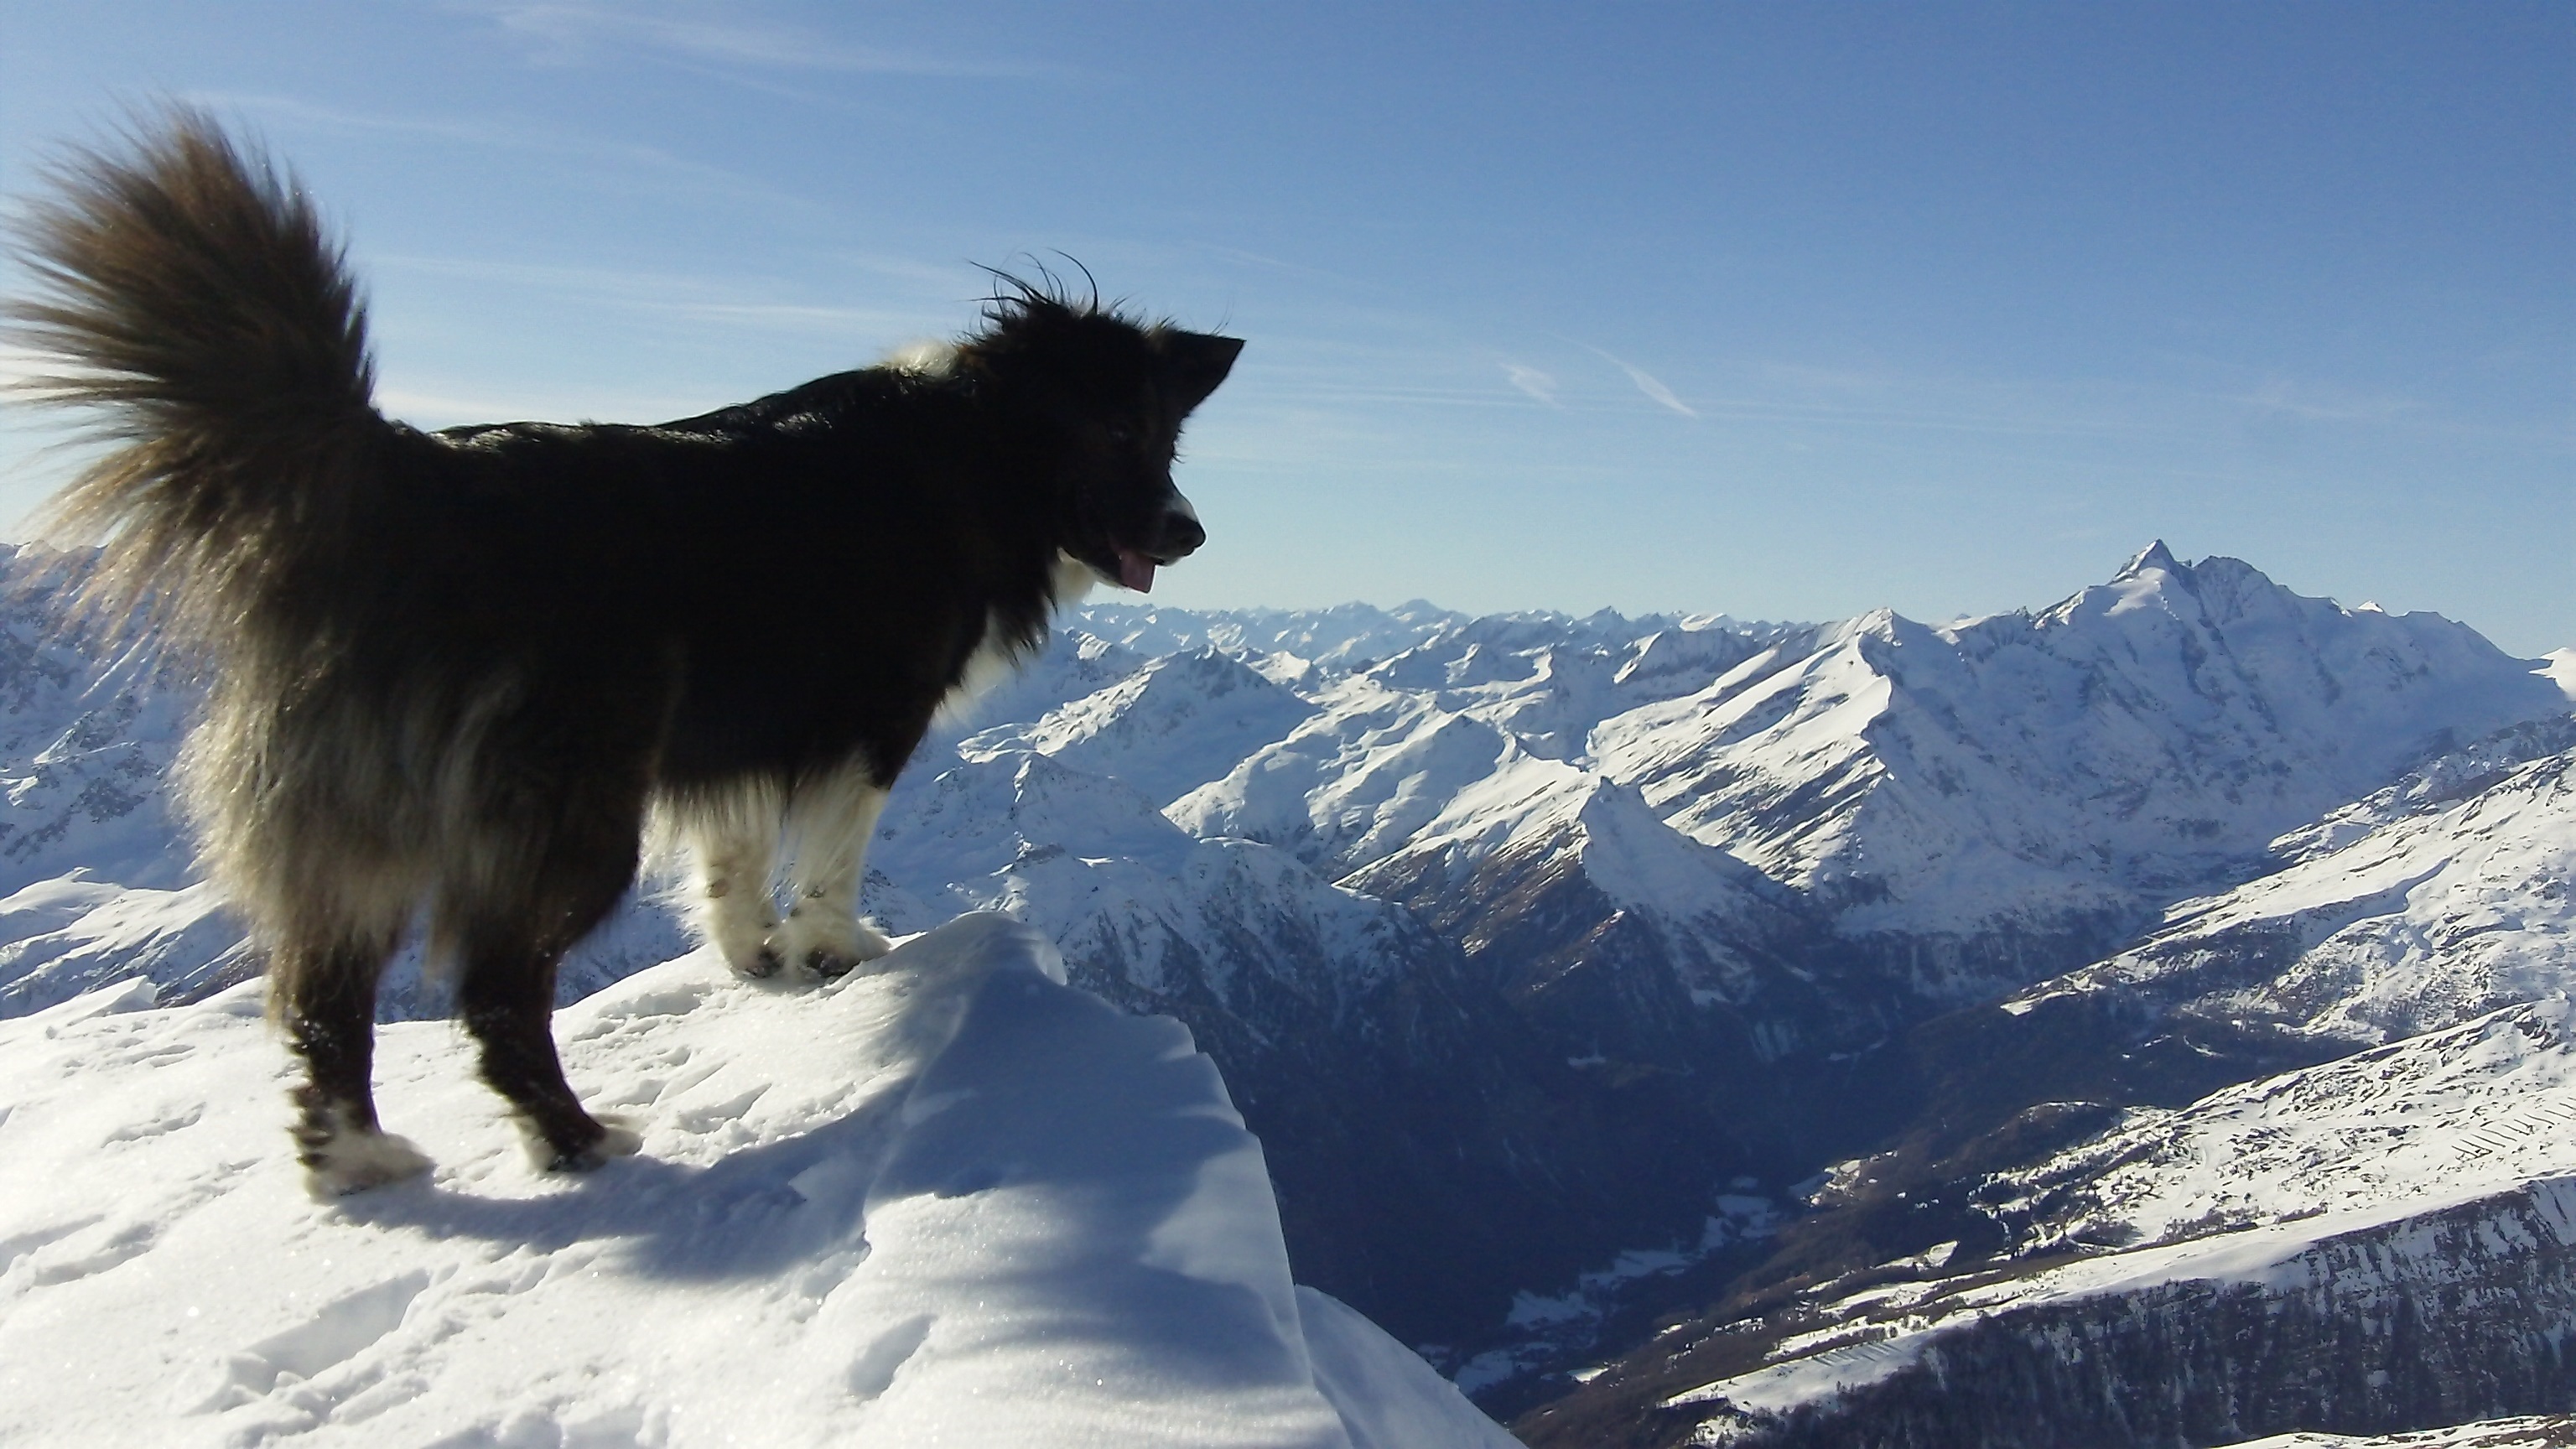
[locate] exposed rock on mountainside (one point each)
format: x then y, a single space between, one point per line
2347 1332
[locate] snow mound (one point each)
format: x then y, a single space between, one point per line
952 1200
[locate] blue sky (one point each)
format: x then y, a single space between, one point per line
1788 311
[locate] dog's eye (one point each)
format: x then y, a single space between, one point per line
1121 435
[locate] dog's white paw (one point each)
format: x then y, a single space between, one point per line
355 1161
824 943
745 940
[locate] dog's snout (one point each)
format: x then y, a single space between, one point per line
1181 534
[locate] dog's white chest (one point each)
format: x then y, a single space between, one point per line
993 660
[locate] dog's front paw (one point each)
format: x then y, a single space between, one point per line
827 944
743 934
865 943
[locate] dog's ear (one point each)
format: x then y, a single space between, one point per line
1195 362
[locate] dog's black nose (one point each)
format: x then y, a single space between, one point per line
1180 536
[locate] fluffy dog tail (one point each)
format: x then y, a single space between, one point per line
190 300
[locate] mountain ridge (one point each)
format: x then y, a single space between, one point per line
1547 953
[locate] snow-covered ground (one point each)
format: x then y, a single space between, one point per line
950 1201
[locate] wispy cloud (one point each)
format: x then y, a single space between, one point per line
2324 403
1532 381
1647 383
599 157
569 31
729 300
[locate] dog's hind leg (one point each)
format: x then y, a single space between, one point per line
506 992
508 1001
829 823
327 1002
553 851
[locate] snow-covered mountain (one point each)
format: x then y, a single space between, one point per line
1165 729
1594 915
1393 743
1952 813
2386 1240
1341 638
2026 789
2407 912
2193 1259
2478 1108
86 738
1545 954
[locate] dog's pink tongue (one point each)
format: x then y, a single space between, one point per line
1135 571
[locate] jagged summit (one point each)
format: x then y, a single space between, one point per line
2155 557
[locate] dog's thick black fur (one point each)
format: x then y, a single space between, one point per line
453 675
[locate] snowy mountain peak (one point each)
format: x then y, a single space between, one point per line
1960 780
1688 655
1165 729
2558 666
1345 636
2154 558
985 814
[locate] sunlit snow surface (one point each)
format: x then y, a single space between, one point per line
952 1201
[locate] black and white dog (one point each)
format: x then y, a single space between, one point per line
454 676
